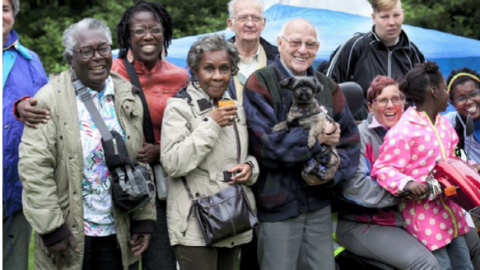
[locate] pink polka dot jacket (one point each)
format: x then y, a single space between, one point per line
409 152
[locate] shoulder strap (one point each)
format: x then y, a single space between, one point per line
82 91
147 120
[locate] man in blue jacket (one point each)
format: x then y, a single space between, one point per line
295 230
23 75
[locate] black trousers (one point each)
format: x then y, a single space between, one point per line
102 253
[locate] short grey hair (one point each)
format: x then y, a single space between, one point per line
69 36
282 31
211 43
233 2
15 7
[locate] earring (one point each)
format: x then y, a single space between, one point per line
130 57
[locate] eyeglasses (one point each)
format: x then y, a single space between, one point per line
463 99
384 101
87 53
294 44
250 18
140 32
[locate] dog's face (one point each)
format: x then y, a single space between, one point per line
303 88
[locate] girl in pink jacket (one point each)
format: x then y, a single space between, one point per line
408 154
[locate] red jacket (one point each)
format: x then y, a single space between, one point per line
158 84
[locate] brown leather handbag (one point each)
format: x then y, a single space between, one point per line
223 214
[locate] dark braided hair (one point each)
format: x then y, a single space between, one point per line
160 14
415 83
459 128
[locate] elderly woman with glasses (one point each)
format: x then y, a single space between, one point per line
200 145
463 86
67 186
370 233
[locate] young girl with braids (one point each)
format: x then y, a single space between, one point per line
464 94
408 154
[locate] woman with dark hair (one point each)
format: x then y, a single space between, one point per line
199 151
463 86
409 153
144 33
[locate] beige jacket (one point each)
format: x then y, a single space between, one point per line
51 163
199 150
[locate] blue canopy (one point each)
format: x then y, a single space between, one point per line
334 28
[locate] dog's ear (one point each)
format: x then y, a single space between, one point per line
287 83
318 86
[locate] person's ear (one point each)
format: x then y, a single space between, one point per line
434 91
230 23
370 107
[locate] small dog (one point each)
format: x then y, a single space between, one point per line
305 110
307 113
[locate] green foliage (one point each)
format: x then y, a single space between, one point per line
41 23
459 17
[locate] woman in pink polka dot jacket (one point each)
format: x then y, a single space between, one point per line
407 156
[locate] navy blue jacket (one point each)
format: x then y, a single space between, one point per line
280 191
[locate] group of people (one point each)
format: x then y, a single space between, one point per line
57 182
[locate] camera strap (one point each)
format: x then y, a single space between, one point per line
82 91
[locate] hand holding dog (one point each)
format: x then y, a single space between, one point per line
224 116
327 137
242 172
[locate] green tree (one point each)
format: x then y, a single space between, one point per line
41 23
459 17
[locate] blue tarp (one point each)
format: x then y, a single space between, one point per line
334 28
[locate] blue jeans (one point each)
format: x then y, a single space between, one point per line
454 256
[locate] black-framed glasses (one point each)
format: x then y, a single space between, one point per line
463 99
295 44
88 52
250 18
140 31
384 101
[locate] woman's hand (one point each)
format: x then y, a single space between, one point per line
242 172
331 134
150 153
417 189
224 116
139 242
30 115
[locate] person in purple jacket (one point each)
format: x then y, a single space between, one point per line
23 75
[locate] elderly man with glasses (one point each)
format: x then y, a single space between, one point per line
247 21
295 227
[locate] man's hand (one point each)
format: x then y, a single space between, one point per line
60 252
30 115
150 153
331 134
139 242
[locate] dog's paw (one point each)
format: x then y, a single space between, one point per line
280 126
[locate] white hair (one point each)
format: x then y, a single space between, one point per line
233 2
282 31
69 36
